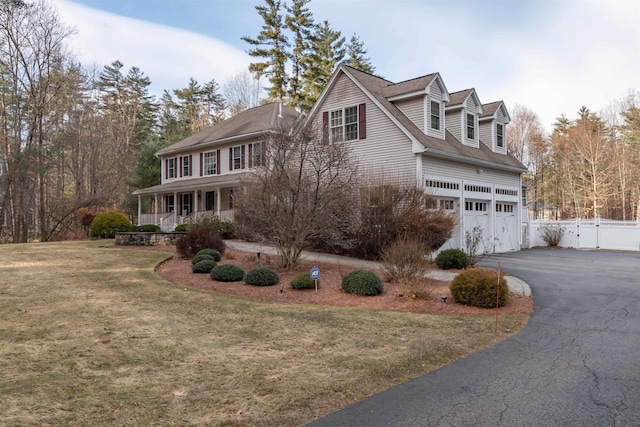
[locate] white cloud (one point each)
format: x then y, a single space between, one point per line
168 56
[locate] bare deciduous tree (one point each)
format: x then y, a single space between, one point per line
305 190
241 92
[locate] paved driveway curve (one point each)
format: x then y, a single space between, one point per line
577 362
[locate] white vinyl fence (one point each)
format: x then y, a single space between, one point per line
591 234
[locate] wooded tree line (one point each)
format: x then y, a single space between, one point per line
588 167
80 139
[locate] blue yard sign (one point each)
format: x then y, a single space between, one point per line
315 275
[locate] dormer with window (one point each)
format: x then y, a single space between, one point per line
462 116
422 101
493 126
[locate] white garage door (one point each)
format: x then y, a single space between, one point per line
476 214
506 227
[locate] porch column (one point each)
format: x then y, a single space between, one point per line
139 208
176 206
195 204
155 208
218 201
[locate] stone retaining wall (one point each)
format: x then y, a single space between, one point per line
147 239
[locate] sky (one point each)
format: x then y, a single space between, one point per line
551 56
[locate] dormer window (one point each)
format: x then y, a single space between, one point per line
499 135
471 127
435 115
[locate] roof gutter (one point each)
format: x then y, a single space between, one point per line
472 161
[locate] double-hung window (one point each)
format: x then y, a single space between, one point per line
500 135
257 156
237 157
471 127
435 115
186 166
171 168
343 124
210 164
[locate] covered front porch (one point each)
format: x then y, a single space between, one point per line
182 202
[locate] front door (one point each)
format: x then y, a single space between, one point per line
210 201
186 204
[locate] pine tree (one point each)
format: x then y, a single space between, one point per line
270 45
300 22
327 46
357 55
199 106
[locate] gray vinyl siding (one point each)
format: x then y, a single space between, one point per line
387 151
486 133
435 92
451 169
454 123
471 105
500 116
414 109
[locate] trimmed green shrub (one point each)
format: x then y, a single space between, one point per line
147 228
181 228
201 257
477 287
211 252
362 282
302 281
227 273
195 240
204 266
261 276
452 258
105 225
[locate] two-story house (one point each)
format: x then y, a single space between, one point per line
415 131
200 172
448 143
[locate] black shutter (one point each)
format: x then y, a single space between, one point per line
230 159
218 166
201 165
325 127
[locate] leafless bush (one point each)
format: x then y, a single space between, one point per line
404 260
551 233
415 287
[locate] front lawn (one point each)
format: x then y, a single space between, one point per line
89 335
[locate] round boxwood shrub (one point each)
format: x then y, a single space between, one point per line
204 266
227 273
211 252
302 281
105 225
477 287
201 257
261 276
452 258
181 228
147 228
362 282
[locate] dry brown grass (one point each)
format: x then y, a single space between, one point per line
91 336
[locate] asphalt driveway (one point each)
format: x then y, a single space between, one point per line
577 362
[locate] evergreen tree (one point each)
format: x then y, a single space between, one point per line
327 46
300 22
270 45
199 106
357 55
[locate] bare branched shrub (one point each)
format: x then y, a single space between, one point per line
389 212
415 287
304 192
473 241
551 233
404 260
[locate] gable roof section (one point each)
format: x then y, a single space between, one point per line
492 108
251 122
375 87
459 99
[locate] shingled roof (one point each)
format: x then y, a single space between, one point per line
251 122
450 147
